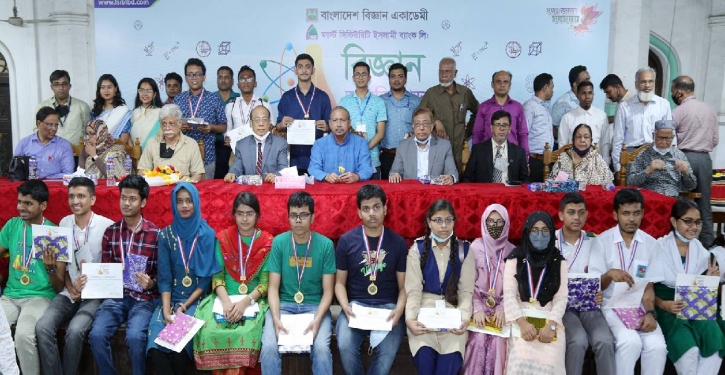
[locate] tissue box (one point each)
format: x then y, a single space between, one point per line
568 186
284 182
250 180
68 177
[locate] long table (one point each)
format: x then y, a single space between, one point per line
336 208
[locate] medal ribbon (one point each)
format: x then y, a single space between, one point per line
130 240
534 293
576 251
85 241
191 253
242 262
198 104
307 113
373 265
621 255
687 260
362 110
26 262
249 113
492 281
297 262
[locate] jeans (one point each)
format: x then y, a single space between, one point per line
110 315
321 355
60 311
25 313
349 341
210 170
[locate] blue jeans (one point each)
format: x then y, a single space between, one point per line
110 315
321 355
349 341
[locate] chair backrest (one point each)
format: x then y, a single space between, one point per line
466 154
626 158
550 157
201 151
77 149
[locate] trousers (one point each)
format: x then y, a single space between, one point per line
631 344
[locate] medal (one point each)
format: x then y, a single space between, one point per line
130 241
576 251
492 279
243 289
372 289
534 293
307 112
299 297
78 244
198 103
186 281
490 302
25 279
307 115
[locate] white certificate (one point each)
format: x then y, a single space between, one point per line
625 297
295 326
370 318
437 319
249 312
104 280
301 132
236 135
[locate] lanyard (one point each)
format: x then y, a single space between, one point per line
85 241
191 253
373 265
576 251
242 261
130 240
492 281
26 257
70 102
198 104
297 262
687 260
249 113
534 293
362 110
621 255
307 113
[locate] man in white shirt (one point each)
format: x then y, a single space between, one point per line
582 327
8 363
88 229
239 111
73 113
624 254
592 116
635 120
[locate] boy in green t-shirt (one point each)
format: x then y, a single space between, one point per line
32 283
301 280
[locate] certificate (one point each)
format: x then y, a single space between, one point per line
58 239
104 280
490 328
370 318
236 135
439 319
624 296
249 312
301 132
295 326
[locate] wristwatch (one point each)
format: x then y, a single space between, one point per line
553 327
51 271
654 313
94 157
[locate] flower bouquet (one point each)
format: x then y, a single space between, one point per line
163 175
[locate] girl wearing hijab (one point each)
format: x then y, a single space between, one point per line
535 278
486 354
186 264
99 146
694 346
242 256
425 283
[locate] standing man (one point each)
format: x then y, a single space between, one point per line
400 104
73 113
450 102
616 93
519 134
300 285
584 113
88 228
239 111
569 100
697 134
367 113
224 83
636 117
202 104
132 241
371 273
538 122
173 82
304 102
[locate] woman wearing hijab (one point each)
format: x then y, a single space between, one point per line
694 346
535 283
486 354
242 282
99 146
425 283
583 162
186 264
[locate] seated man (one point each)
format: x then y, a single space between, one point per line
424 154
8 363
54 155
341 156
582 327
300 285
662 167
508 163
261 153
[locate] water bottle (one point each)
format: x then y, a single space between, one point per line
608 186
535 186
32 168
110 177
127 164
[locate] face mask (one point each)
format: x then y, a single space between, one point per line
580 152
262 138
675 99
540 241
662 151
425 141
495 230
681 237
439 239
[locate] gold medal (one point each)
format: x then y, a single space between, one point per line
532 300
299 297
25 279
186 281
372 289
243 288
490 302
307 115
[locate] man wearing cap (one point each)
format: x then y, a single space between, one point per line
662 168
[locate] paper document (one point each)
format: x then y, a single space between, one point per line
301 132
104 280
296 326
176 335
370 318
58 239
249 312
236 135
625 297
439 319
489 328
536 317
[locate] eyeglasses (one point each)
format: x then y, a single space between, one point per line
245 214
62 85
666 139
536 231
422 124
498 223
247 80
194 75
691 222
501 126
584 137
360 75
440 221
145 91
338 120
302 217
260 120
50 126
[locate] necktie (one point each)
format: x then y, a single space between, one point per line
258 170
497 174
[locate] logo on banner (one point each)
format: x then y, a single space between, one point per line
224 48
311 14
311 33
513 49
456 49
445 25
580 20
535 49
468 82
203 48
149 49
138 25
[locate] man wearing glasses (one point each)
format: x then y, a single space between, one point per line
73 113
367 113
662 168
53 154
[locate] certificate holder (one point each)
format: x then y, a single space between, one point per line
103 280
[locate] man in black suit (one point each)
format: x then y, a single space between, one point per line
506 164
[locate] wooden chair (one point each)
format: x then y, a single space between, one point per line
551 157
627 158
466 155
201 151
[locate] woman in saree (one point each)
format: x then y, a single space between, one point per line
99 146
110 107
583 162
145 120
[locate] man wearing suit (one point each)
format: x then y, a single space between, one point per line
508 163
261 153
424 154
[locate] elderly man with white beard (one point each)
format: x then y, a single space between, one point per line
635 120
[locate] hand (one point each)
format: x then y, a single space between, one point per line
144 280
620 276
479 319
599 298
332 178
269 177
313 327
440 130
229 177
227 309
528 331
648 323
74 295
673 307
321 125
286 122
227 141
90 148
415 327
348 311
460 330
394 178
279 327
236 313
79 283
655 165
546 335
712 268
180 309
447 179
499 318
185 127
168 318
395 316
681 166
349 177
48 258
206 128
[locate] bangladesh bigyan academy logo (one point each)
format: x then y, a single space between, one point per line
580 20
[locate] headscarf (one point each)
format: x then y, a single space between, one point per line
104 139
550 258
501 242
204 262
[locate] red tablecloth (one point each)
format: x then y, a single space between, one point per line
336 209
717 192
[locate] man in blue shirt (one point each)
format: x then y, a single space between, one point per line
224 84
370 272
538 119
304 102
341 156
568 101
53 154
367 113
400 105
202 104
